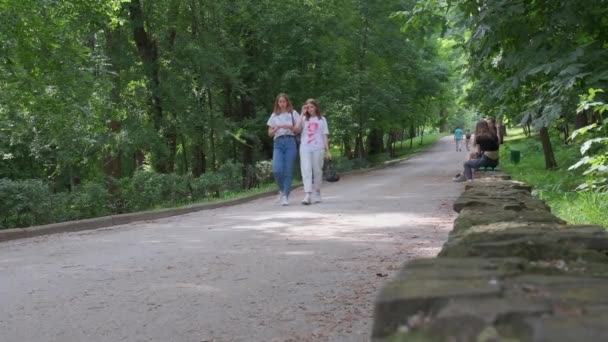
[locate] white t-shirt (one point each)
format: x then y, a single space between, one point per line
283 119
313 131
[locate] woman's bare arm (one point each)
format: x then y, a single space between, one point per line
272 131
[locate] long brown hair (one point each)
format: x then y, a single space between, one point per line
277 108
317 109
482 129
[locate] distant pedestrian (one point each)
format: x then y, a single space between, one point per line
458 133
281 126
467 136
314 146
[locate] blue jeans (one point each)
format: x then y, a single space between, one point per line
475 164
283 157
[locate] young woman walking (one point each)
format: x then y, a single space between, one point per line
282 127
314 146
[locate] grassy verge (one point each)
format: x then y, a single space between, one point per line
555 187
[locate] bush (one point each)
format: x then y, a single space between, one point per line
209 184
176 189
24 202
147 190
232 176
343 164
61 207
31 202
90 200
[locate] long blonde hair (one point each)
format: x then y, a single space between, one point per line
317 109
277 108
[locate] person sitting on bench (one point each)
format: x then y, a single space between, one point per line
488 152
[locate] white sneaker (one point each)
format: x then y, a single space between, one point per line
460 178
279 197
284 201
306 199
316 198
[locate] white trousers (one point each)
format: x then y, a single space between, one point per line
311 165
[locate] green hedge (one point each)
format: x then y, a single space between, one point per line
31 202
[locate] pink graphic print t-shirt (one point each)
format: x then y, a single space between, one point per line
312 134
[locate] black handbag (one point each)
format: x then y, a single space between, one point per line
330 172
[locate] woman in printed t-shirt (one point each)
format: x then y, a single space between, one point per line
281 126
314 144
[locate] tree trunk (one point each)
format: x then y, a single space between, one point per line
212 133
443 119
139 158
421 135
596 117
348 151
112 160
392 140
248 160
227 92
199 166
185 165
565 129
503 133
550 162
580 120
359 146
374 140
500 131
412 135
148 50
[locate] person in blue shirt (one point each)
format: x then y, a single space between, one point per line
458 133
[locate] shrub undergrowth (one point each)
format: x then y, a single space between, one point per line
32 202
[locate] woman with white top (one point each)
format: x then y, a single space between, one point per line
314 145
281 126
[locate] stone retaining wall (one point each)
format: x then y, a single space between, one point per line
510 271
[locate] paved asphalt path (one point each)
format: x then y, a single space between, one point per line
251 272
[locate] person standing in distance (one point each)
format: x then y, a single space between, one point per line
282 127
458 138
314 146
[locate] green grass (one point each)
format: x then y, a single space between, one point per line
555 187
229 195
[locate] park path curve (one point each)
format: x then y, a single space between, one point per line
251 272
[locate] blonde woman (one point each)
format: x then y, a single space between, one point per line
314 146
281 126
